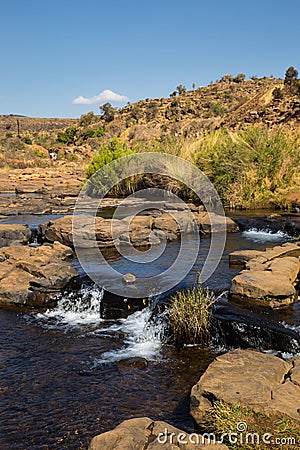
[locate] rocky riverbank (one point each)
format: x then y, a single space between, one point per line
255 382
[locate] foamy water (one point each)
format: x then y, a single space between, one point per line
265 235
75 309
143 337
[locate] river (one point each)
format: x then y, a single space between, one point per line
65 375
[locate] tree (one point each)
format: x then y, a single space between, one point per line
193 86
173 94
108 111
291 76
181 89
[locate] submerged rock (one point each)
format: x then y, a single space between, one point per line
14 235
262 382
144 433
30 276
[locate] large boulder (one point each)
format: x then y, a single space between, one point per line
212 222
274 290
259 381
14 235
270 277
31 276
144 433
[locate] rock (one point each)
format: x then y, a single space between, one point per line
240 257
166 223
31 276
259 381
270 277
134 362
129 278
144 433
14 235
295 372
263 286
209 222
138 231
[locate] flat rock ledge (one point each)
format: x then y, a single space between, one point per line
146 434
14 235
31 276
259 381
270 277
136 230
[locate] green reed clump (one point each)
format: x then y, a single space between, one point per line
190 316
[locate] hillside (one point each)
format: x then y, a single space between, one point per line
10 124
244 134
193 113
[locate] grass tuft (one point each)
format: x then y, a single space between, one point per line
190 316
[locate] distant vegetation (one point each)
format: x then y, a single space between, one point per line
250 167
243 133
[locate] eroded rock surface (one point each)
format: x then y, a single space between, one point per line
262 382
270 277
144 433
14 235
30 276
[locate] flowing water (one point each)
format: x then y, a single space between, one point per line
80 369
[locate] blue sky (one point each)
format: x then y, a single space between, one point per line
55 52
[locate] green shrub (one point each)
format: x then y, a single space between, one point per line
93 132
68 136
39 154
108 152
277 93
217 109
249 166
27 140
190 315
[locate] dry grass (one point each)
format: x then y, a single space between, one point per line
224 417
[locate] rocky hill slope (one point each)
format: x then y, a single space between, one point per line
193 113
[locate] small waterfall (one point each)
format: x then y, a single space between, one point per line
265 235
76 308
144 337
141 334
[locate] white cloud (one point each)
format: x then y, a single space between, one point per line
105 96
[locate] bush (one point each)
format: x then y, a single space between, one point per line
217 109
228 78
239 78
190 315
27 140
250 166
277 93
107 153
67 137
88 119
93 132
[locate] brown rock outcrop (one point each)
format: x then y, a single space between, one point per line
144 433
14 235
262 382
30 276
